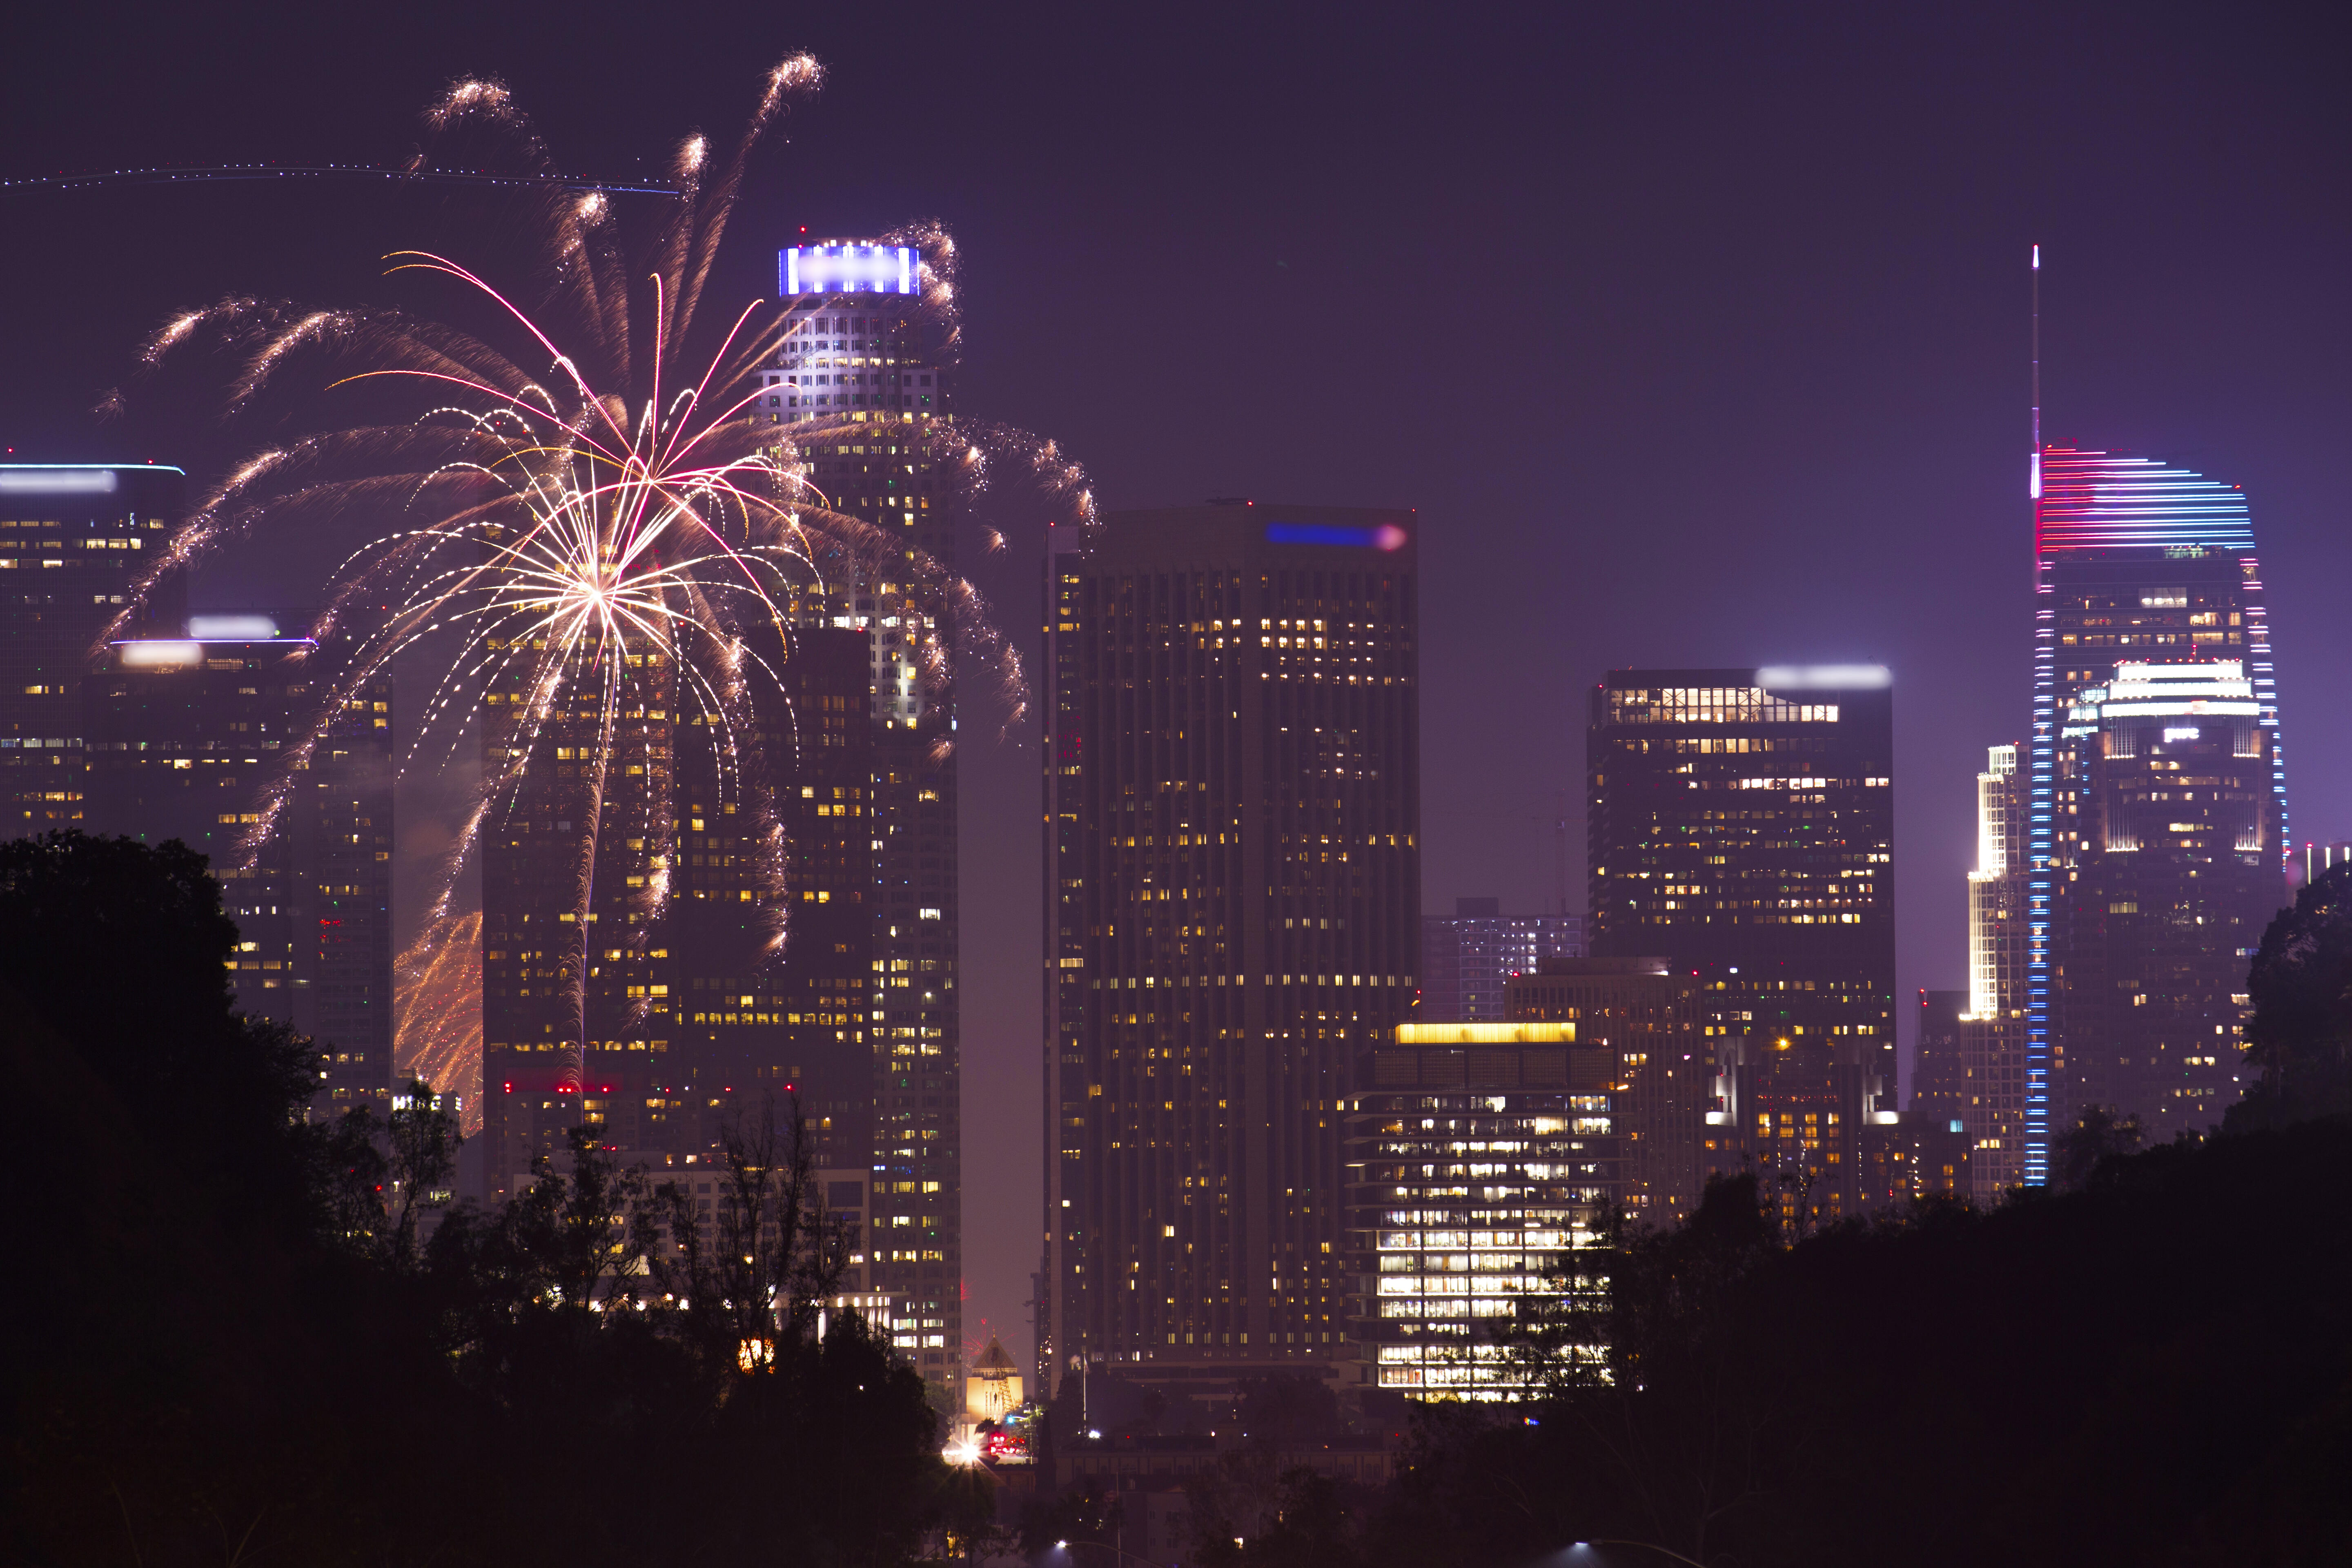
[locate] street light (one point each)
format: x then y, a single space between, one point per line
1121 1552
1647 1545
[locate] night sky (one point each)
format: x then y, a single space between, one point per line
1697 337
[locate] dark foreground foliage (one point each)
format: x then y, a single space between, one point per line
226 1347
2154 1368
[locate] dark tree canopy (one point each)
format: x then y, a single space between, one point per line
244 1342
2301 1034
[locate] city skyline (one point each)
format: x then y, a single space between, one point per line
1780 368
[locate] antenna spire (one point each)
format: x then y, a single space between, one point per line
2033 480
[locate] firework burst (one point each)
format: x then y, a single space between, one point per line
609 531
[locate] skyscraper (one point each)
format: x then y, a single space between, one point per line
694 1010
1643 1014
578 1023
1741 827
1525 1108
1466 960
75 539
1991 1029
1938 1082
2153 690
861 387
185 738
1232 875
2176 872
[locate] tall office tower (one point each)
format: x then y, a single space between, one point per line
1529 1109
2144 566
1465 960
1992 1030
577 1020
1938 1080
185 737
1232 866
1741 825
861 390
1646 1017
798 1027
2167 772
74 540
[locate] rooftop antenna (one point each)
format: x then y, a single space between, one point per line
2034 482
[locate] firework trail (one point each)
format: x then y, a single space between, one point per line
439 1032
609 531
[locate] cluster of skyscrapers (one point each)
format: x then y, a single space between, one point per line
1279 1138
171 725
1291 1125
670 1015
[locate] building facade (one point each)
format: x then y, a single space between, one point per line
2140 565
2178 874
1232 875
862 390
75 541
845 997
1938 1080
195 737
1467 961
1795 1110
1481 1157
1741 827
1645 1016
1993 1025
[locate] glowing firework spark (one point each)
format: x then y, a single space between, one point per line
439 1035
612 541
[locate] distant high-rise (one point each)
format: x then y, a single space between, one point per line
1992 1024
2176 873
1530 1108
857 1014
1741 827
1466 960
2156 830
1798 1111
1645 1014
862 387
1232 875
185 738
75 540
578 1006
1938 1080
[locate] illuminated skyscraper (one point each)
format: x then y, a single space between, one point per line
1741 827
2167 772
1232 881
1992 1025
2155 827
862 388
1527 1109
74 540
183 738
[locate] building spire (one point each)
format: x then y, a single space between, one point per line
2034 481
